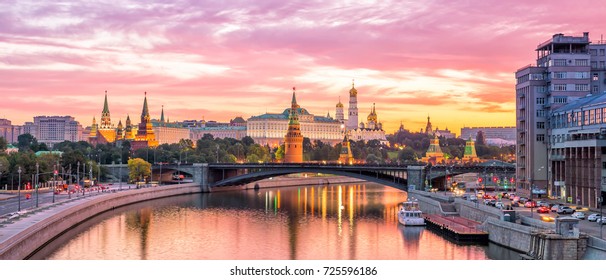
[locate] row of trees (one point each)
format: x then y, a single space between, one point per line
404 147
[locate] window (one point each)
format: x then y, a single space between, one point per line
560 99
581 87
595 89
541 125
540 101
602 64
540 137
602 52
595 77
540 89
559 75
559 62
540 113
598 116
559 87
581 75
594 64
603 165
537 77
581 62
593 52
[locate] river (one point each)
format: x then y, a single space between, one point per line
333 222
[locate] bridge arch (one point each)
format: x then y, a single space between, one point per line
375 177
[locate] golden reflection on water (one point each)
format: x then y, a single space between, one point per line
357 221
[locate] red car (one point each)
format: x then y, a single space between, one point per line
543 209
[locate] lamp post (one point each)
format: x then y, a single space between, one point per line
90 175
99 172
160 176
179 170
55 172
532 188
19 190
120 170
600 220
37 181
78 175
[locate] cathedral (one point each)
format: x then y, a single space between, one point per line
371 130
105 132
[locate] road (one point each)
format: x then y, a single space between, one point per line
9 202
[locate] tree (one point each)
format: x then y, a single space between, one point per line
407 154
139 169
27 142
280 153
3 144
480 138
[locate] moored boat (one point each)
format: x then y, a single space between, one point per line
410 214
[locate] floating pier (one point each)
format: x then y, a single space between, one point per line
458 229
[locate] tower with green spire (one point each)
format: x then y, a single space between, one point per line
106 121
470 151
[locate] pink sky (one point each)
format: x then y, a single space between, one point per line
453 60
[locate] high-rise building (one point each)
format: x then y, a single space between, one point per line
293 140
567 69
55 129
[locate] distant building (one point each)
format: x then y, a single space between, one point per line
8 131
269 128
497 136
222 132
169 133
51 130
434 154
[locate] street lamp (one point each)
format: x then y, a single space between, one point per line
19 190
99 172
37 182
532 188
78 175
179 170
120 170
160 176
55 173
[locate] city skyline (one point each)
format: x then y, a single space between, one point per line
453 61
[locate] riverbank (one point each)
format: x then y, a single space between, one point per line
26 232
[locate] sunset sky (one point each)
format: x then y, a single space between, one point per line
453 60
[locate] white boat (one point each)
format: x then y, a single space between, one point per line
410 214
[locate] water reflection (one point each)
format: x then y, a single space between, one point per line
357 221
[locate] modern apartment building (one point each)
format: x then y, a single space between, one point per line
567 69
495 132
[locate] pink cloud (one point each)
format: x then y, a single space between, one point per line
263 48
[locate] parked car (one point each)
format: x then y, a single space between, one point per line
490 202
578 215
602 220
515 204
555 208
543 209
541 203
523 200
499 205
594 217
473 198
565 210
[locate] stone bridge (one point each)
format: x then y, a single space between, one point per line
217 175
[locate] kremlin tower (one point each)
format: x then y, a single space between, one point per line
470 151
345 157
352 121
145 134
293 140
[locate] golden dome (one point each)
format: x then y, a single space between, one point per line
339 105
353 92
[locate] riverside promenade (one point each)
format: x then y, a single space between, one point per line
22 233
